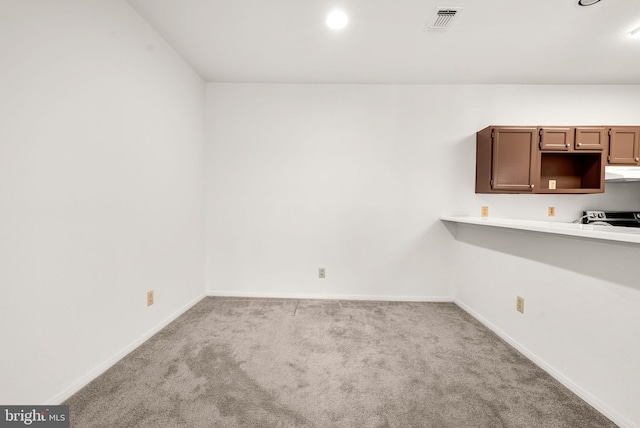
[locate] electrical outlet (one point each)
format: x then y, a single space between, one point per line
484 212
552 184
520 304
551 212
149 298
321 273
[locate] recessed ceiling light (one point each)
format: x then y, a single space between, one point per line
337 20
587 2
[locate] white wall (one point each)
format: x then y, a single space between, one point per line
581 297
101 190
581 319
354 177
541 105
350 178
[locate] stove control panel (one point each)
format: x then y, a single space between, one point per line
596 215
612 218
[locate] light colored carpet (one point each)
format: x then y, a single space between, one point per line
310 363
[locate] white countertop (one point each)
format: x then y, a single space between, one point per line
608 233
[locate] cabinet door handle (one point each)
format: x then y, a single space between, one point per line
532 186
637 159
579 144
566 145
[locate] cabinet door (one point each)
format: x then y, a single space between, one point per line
623 146
588 138
556 138
513 159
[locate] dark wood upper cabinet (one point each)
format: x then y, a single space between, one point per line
591 138
513 157
552 138
505 159
624 145
522 159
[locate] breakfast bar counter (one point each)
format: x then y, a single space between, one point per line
607 233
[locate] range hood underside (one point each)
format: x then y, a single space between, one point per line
621 174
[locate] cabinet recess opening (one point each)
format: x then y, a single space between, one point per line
570 170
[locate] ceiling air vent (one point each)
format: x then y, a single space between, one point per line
443 18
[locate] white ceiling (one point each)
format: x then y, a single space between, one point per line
490 41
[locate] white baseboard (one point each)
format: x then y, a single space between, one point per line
217 293
84 381
596 403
